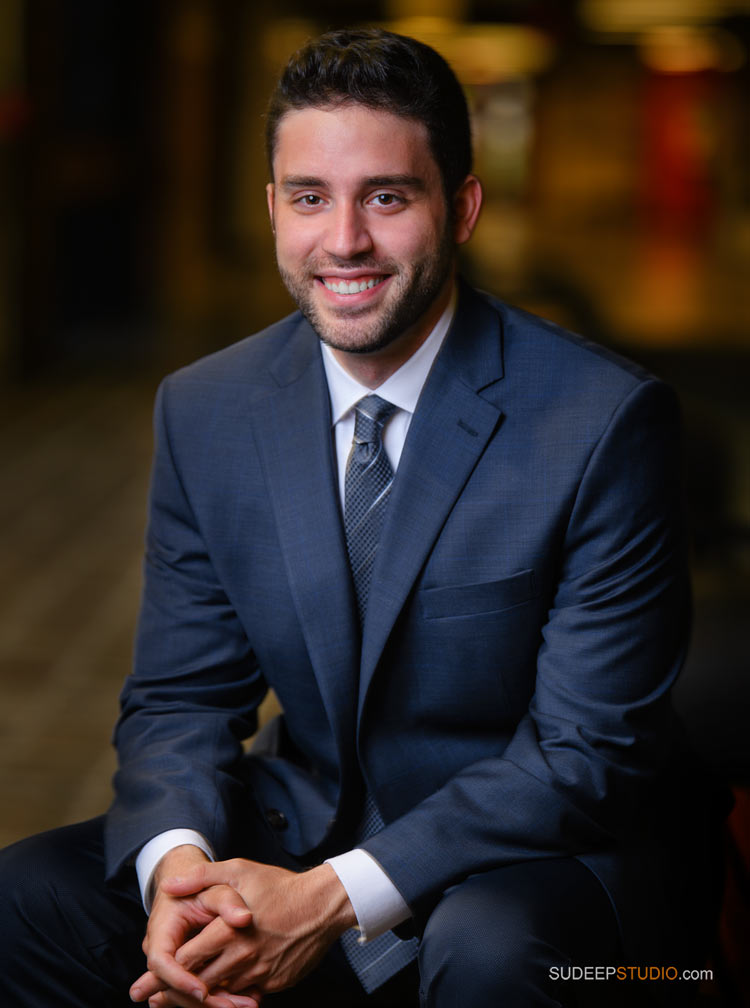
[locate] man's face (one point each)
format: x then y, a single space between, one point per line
364 241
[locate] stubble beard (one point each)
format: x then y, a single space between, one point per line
362 330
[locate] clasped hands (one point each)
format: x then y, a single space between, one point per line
224 934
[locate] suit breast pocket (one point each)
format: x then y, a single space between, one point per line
477 599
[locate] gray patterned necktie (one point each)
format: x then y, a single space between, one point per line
367 486
377 960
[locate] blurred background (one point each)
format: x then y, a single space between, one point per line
613 138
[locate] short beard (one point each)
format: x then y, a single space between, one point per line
422 288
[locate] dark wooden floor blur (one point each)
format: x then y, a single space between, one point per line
74 469
73 483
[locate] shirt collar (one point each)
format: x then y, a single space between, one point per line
404 386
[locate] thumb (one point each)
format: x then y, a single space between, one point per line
191 880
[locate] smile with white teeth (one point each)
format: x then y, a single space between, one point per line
352 286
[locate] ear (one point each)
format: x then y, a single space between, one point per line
466 206
270 196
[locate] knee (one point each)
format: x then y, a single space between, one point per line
29 882
50 883
63 929
479 951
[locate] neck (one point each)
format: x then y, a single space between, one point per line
372 369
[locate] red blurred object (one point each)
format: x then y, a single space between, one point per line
15 112
678 185
732 960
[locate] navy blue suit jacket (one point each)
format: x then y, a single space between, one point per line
508 696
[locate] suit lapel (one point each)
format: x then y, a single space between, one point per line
448 433
294 439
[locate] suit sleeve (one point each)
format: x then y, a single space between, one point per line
195 688
587 757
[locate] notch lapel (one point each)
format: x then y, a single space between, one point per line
295 442
448 433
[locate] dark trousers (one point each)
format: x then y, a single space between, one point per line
70 941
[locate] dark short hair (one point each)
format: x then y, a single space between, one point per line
384 71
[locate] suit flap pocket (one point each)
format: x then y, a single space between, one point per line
473 599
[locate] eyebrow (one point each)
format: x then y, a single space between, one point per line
405 181
302 182
373 181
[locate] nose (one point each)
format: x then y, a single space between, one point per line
347 235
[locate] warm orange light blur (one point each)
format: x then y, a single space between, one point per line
681 49
482 53
625 16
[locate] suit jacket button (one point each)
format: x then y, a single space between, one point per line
276 820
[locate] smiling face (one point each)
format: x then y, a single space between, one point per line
364 238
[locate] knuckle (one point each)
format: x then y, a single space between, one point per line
154 962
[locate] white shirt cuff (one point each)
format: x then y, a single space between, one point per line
151 854
378 904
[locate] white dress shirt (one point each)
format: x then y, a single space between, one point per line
377 903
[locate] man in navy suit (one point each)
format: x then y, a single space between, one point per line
477 747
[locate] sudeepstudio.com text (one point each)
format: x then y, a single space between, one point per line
628 973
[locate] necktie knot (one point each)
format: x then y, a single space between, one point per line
370 415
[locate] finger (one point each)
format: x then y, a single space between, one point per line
176 999
219 999
168 973
166 933
244 1001
249 998
225 902
157 996
145 987
211 942
164 942
232 970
